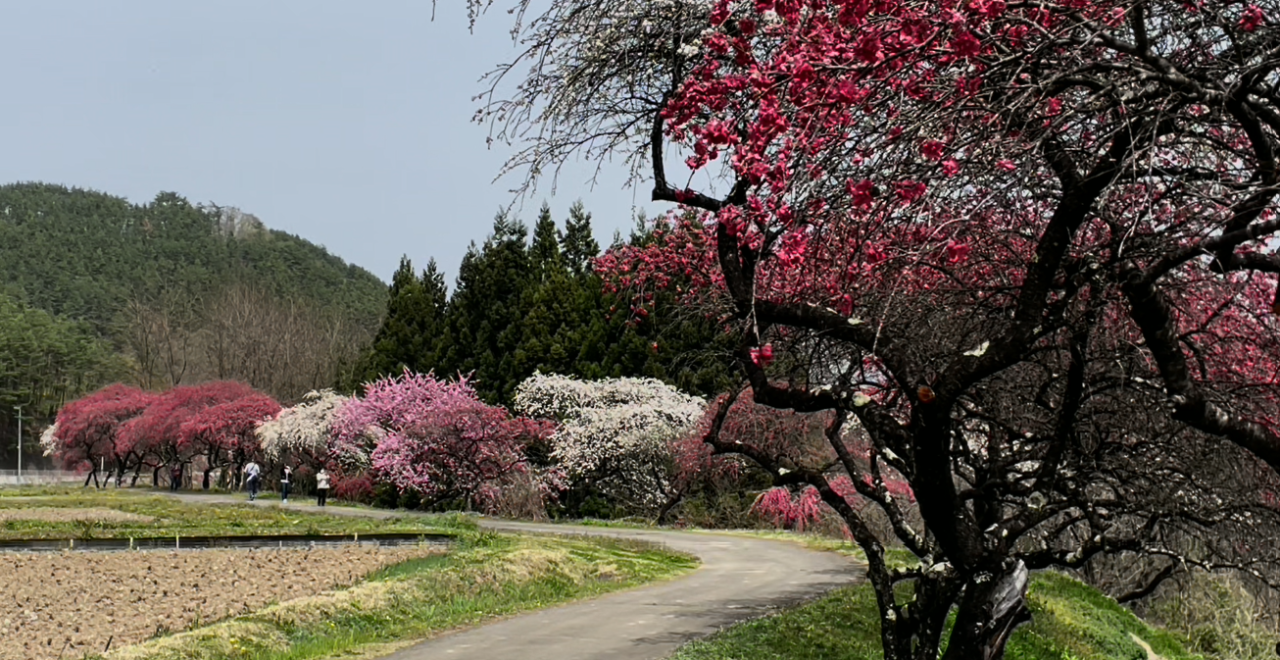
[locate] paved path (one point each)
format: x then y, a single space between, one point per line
740 578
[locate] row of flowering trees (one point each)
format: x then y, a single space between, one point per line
636 442
125 430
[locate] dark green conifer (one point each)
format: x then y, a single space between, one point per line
409 337
578 245
486 315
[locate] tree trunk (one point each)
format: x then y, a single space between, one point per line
989 611
205 484
669 505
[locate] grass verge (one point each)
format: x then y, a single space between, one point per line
893 557
486 576
162 516
1070 620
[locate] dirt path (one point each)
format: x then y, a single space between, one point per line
740 578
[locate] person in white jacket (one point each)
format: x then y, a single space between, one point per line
253 479
322 487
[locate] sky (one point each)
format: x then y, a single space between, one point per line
346 123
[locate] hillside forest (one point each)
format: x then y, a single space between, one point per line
96 290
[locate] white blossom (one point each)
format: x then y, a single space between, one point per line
304 428
48 442
618 426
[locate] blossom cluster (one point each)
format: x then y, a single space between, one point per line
304 429
129 428
436 438
620 427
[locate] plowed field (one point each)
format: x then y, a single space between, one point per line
72 603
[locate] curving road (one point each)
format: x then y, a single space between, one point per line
740 578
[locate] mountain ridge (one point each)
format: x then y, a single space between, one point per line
59 243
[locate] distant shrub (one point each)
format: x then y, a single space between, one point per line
357 488
410 499
385 496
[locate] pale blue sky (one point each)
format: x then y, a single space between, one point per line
348 123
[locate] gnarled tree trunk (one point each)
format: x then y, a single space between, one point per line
991 607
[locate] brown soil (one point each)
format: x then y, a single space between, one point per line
50 514
80 600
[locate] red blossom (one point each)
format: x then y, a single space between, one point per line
966 45
932 149
762 356
861 194
1252 18
910 191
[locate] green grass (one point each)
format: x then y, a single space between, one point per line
486 576
1071 621
620 523
172 517
893 557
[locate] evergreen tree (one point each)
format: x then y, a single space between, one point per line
552 333
486 315
544 253
410 334
578 245
520 308
553 318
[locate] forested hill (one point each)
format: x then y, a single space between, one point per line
86 255
95 289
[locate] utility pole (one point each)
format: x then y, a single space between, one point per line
19 409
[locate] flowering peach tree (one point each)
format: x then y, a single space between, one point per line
616 433
303 431
87 431
1024 248
435 438
225 431
131 429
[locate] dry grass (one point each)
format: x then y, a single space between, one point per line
60 515
146 514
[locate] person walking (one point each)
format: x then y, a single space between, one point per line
253 478
175 477
285 473
322 487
